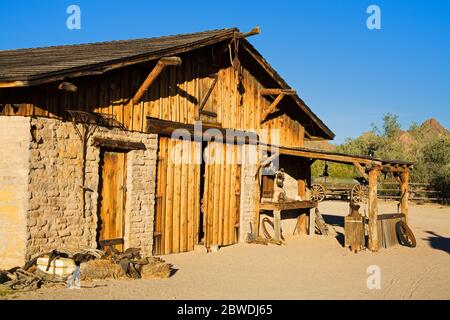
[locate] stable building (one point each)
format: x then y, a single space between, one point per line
158 143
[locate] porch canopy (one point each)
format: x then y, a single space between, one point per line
369 168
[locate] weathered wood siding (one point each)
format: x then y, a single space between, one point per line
175 95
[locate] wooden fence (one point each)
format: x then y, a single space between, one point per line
417 192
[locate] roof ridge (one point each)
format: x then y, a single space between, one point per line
224 30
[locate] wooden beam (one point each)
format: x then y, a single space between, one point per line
208 93
277 91
13 84
404 193
166 128
160 65
361 170
118 144
373 210
313 154
253 32
272 107
270 206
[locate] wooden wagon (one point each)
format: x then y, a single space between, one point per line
355 189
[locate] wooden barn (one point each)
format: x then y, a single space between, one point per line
160 143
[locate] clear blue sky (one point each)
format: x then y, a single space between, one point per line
347 74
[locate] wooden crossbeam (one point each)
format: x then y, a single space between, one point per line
162 63
272 107
273 92
361 170
208 93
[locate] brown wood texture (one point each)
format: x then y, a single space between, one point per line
175 95
178 196
113 193
354 231
287 205
373 210
222 194
404 193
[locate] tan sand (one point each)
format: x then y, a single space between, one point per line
305 268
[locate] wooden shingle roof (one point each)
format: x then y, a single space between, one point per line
32 64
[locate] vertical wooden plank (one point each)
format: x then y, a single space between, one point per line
373 210
228 194
217 192
206 192
223 191
211 190
184 205
127 109
176 195
180 85
164 146
190 190
173 99
104 95
169 198
197 200
234 189
164 93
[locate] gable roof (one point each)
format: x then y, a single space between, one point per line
27 67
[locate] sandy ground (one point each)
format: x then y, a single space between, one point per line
304 268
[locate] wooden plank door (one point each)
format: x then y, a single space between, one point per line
112 201
177 196
221 197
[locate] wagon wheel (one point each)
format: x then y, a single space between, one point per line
360 193
405 234
317 192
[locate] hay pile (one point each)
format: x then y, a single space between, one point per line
101 269
156 268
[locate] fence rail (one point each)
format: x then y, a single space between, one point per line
417 191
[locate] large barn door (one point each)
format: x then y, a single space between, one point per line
221 197
178 196
112 201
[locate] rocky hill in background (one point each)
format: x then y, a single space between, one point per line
428 130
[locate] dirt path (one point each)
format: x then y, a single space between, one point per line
305 268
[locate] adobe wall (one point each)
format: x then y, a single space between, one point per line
14 168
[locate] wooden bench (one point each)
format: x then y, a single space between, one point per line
278 207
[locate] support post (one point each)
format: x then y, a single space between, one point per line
312 222
302 178
404 191
277 225
373 209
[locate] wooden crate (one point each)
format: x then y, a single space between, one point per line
387 235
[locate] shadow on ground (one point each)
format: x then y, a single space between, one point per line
336 221
438 242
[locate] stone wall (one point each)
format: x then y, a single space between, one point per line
55 216
14 168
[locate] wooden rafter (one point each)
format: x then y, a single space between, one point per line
361 170
272 108
160 65
277 91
